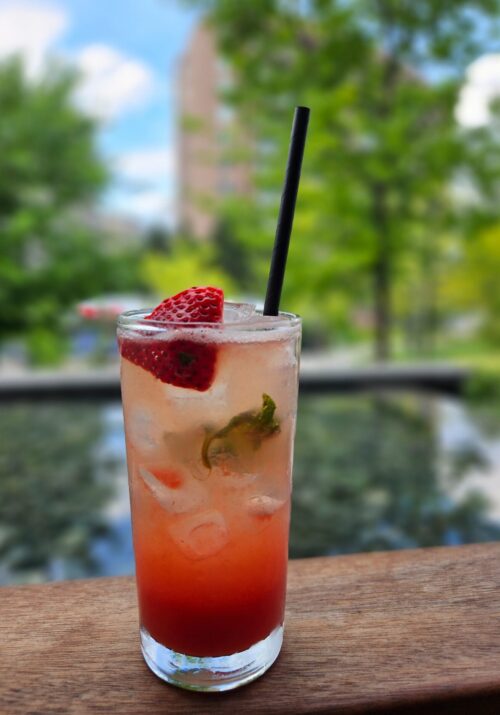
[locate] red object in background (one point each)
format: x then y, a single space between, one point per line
108 307
88 312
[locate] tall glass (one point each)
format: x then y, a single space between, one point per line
210 484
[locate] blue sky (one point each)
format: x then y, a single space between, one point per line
127 52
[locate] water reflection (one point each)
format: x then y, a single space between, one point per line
379 472
59 484
371 472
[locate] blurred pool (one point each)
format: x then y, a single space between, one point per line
371 472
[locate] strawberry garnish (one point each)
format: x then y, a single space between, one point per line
194 305
180 362
169 477
183 363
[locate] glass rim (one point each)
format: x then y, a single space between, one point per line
136 320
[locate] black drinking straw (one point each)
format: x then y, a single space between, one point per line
287 210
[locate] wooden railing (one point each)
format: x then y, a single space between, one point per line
400 632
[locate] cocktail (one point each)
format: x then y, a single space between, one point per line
209 395
209 410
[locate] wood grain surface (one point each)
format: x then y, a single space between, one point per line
409 631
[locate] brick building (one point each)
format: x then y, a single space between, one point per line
207 133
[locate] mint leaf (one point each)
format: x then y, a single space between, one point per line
265 418
242 433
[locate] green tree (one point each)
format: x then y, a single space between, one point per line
158 239
382 78
50 173
472 284
187 264
231 255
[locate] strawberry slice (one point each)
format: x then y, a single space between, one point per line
194 305
183 363
169 477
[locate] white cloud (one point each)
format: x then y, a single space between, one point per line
146 165
481 87
154 206
150 203
152 199
30 29
111 82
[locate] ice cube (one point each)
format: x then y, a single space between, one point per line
238 312
185 448
184 397
233 479
198 470
190 495
264 506
142 430
190 407
200 535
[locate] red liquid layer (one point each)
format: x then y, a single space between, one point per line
218 605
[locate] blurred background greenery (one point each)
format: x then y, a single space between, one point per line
395 254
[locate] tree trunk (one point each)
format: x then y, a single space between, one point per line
382 276
382 273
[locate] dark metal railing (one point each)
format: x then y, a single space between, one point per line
104 385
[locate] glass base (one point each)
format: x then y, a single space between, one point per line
211 674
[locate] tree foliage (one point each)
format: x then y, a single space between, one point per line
384 152
50 173
188 263
472 284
